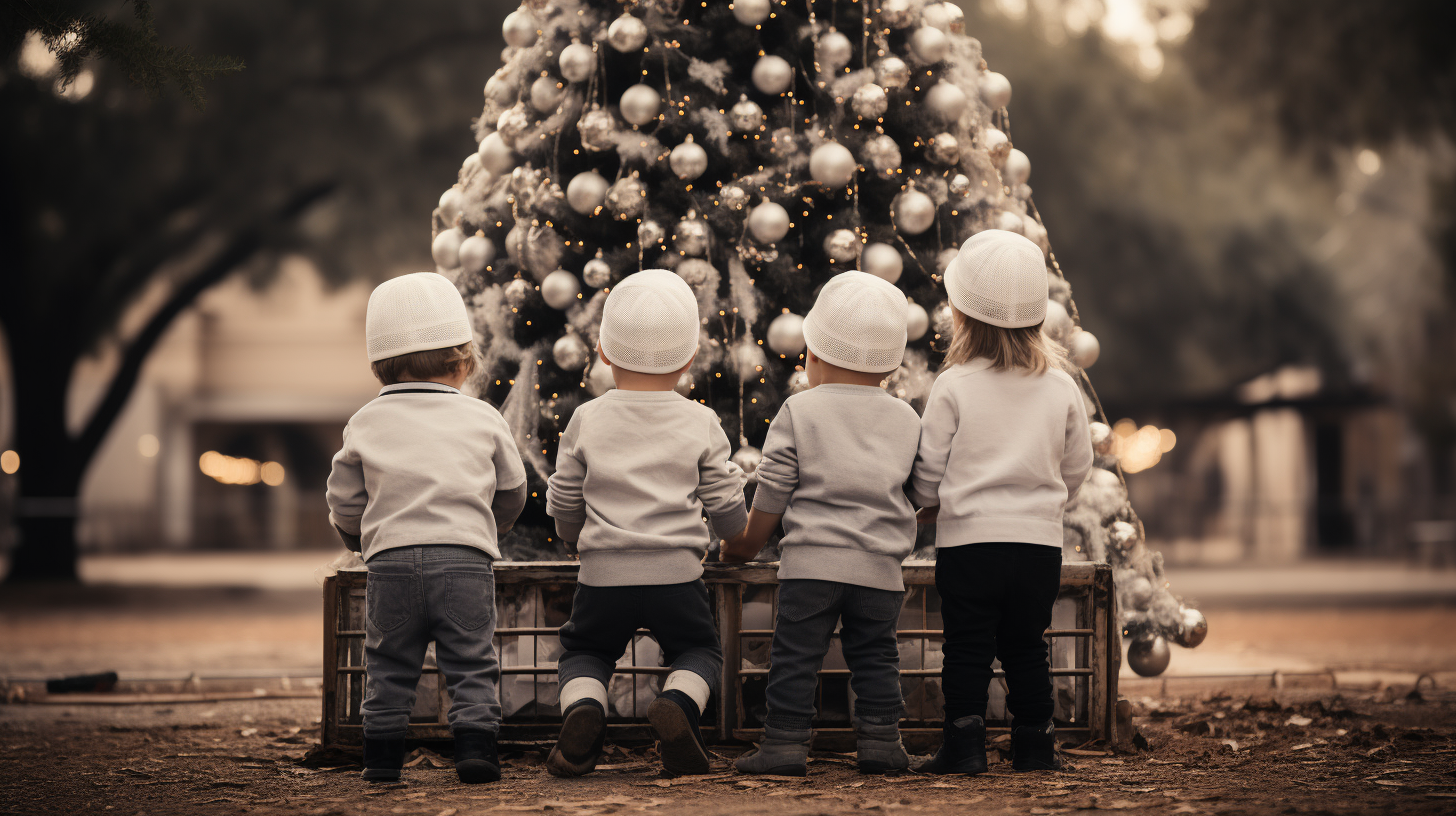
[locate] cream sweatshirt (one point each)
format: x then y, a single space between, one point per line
1001 453
638 469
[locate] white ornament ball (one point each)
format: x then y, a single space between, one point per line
627 199
627 33
769 222
773 75
869 101
892 72
751 12
512 123
560 289
598 130
913 212
570 353
691 237
929 45
798 382
496 155
896 13
1192 628
748 458
842 246
596 273
499 90
944 149
833 52
1101 438
450 202
599 380
832 164
995 90
745 115
650 233
517 292
688 160
997 145
546 94
735 197
519 28
476 253
960 185
445 249
942 16
1058 323
1009 221
1148 656
639 103
577 62
1017 169
946 100
695 271
883 154
882 261
586 192
786 334
1085 349
917 322
469 167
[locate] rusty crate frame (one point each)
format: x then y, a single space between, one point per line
1097 655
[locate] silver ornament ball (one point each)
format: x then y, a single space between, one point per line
577 62
745 115
450 202
842 246
929 45
519 28
947 101
1017 169
773 75
735 197
883 154
496 155
769 222
688 160
882 261
695 271
832 164
570 353
650 234
627 198
476 253
546 94
917 322
598 130
1148 656
512 123
1058 324
913 212
833 52
596 273
627 33
997 146
947 17
896 13
892 72
586 192
960 185
498 90
786 334
560 289
1009 221
1085 349
691 237
1192 628
639 104
944 149
751 12
1101 438
995 90
516 293
445 249
869 101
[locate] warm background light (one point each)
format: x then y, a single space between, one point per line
148 445
236 470
9 461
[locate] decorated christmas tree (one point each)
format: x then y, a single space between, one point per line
756 148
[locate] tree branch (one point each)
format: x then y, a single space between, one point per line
247 242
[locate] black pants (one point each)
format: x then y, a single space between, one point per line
604 619
997 602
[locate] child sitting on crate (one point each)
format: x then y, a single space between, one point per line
1004 445
635 471
426 483
834 467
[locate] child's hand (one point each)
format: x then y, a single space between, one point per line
926 515
736 551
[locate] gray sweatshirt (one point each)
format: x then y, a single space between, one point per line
1001 452
835 464
638 469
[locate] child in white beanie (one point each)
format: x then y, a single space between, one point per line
636 470
427 482
834 468
1004 445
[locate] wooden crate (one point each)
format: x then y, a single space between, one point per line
533 600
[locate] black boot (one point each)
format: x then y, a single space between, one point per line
583 733
963 751
476 759
674 716
1034 747
383 759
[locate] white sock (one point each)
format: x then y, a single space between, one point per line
581 688
691 684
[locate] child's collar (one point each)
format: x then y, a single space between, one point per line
416 387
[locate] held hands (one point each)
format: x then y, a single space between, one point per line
926 515
744 547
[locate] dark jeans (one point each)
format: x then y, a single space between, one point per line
808 612
997 601
604 619
416 595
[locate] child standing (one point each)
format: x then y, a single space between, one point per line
427 481
1004 445
834 467
635 471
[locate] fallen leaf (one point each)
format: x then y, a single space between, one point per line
1298 721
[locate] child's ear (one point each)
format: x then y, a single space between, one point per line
603 355
809 356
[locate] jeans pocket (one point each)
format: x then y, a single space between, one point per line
470 598
802 599
389 600
878 604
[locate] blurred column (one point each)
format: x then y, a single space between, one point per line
175 476
1281 482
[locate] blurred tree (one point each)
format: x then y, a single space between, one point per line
111 192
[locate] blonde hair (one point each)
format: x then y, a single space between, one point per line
425 365
1024 348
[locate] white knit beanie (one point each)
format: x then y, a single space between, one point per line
650 323
999 278
416 312
858 323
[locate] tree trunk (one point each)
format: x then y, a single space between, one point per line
50 471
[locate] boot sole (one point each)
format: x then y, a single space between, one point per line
581 732
782 770
477 771
682 754
381 775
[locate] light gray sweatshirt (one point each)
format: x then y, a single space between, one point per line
637 469
1001 452
835 464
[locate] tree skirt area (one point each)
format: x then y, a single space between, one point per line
1389 750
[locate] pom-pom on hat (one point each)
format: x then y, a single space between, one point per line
858 322
999 278
650 323
415 312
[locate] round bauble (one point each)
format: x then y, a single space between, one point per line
1058 323
997 146
499 90
960 185
735 197
995 90
944 149
747 458
1009 221
1148 656
917 322
786 334
869 101
773 75
586 192
1192 628
599 380
929 45
627 33
947 17
519 28
1085 349
695 271
516 293
842 246
913 212
896 13
560 289
512 123
685 384
650 234
832 164
883 154
946 100
570 353
751 12
450 202
769 222
445 249
470 166
639 104
833 52
476 253
596 273
691 237
892 72
577 62
627 198
882 261
496 155
688 160
745 115
1101 438
1017 169
798 382
547 93
598 130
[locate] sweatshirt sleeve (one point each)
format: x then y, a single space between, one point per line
720 484
564 501
937 428
509 472
1077 449
506 506
345 491
778 473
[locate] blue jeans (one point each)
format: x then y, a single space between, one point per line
415 595
604 619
